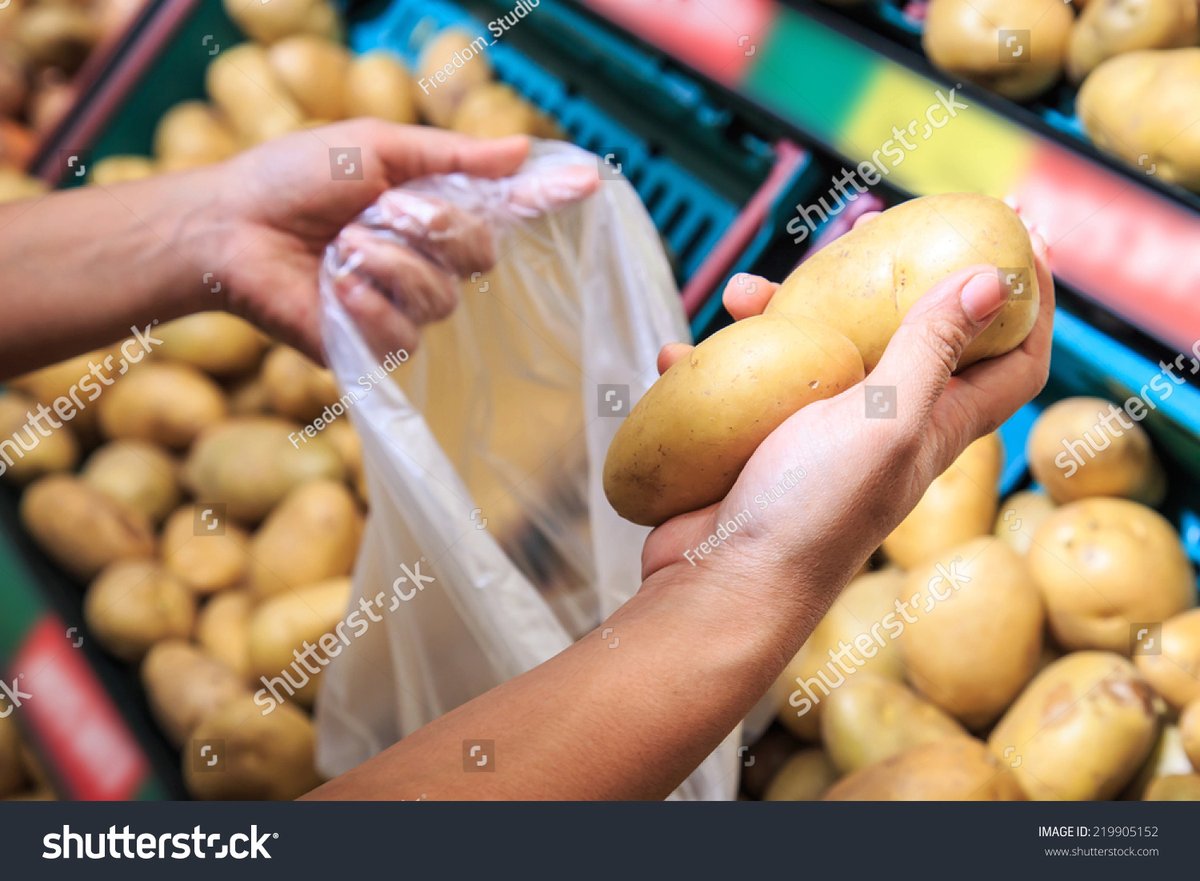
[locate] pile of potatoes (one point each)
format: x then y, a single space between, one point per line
1137 62
211 538
1043 647
43 43
296 74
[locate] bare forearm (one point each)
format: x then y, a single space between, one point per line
81 267
626 713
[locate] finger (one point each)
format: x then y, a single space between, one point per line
924 352
670 353
747 295
418 288
458 241
546 192
384 328
412 151
866 218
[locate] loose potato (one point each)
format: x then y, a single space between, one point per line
215 342
134 604
379 85
977 636
82 529
1108 29
313 70
955 769
282 627
685 442
1173 666
190 135
251 755
1016 48
806 777
1081 730
1019 517
205 553
958 506
268 22
120 169
1164 86
76 382
869 718
250 464
296 387
12 771
248 397
865 283
1104 565
863 617
313 535
1076 452
223 630
1189 732
162 403
763 760
494 110
183 685
452 64
245 89
27 453
139 475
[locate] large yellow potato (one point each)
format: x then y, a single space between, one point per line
1105 565
864 617
379 85
313 535
251 756
1081 447
162 403
1019 517
223 630
495 110
192 134
215 342
1107 29
1189 732
864 283
78 381
1016 48
806 776
183 685
685 442
283 630
1173 665
82 529
977 636
870 719
12 771
1081 730
27 453
1164 86
268 22
452 64
243 86
955 769
313 70
251 463
207 554
297 388
134 604
959 505
140 475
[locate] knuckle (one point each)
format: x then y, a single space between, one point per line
946 340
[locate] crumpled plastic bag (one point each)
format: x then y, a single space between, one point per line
484 450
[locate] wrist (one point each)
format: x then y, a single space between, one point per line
204 234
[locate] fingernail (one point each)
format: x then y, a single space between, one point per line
983 296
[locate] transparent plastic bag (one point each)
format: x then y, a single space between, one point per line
484 451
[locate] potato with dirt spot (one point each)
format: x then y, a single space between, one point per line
205 553
869 718
82 529
134 604
1081 730
1104 564
140 475
955 769
183 685
249 464
1019 517
162 403
223 630
266 756
25 452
